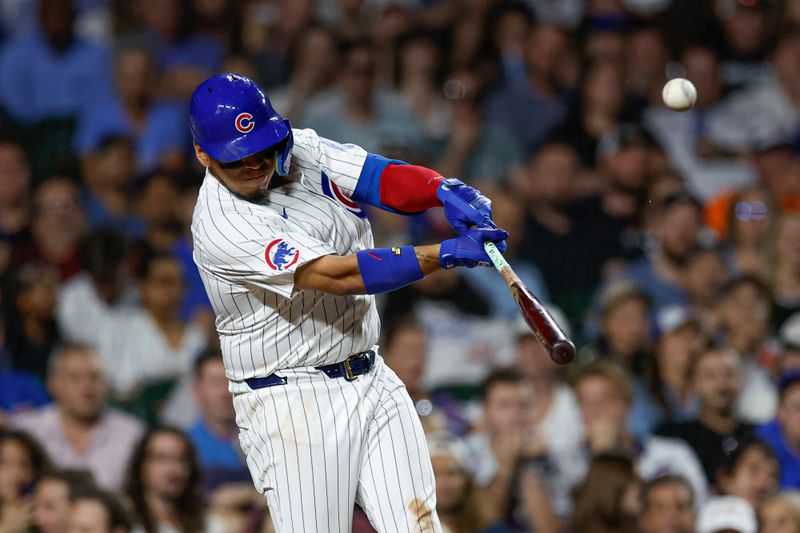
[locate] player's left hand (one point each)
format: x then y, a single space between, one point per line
467 250
464 206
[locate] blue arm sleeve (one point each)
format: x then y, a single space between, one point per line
369 181
387 269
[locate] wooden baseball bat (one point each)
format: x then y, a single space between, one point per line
560 348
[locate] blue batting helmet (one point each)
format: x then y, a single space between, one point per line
231 118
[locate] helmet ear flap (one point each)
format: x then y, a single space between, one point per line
283 159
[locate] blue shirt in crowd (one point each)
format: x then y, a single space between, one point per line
20 391
788 456
195 297
530 115
198 52
221 460
36 82
165 130
99 216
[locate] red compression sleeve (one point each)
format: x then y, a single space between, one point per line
409 188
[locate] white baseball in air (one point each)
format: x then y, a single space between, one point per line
679 94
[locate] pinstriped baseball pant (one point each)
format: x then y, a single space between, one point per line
316 445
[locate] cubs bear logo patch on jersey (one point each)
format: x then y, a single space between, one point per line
332 190
244 122
280 255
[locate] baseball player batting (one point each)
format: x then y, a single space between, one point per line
288 260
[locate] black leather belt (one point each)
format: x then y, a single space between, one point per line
349 369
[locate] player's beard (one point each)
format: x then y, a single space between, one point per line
257 197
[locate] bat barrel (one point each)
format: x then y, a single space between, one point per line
560 348
562 352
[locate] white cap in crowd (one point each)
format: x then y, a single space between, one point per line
726 513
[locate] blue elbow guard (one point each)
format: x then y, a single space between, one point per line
387 269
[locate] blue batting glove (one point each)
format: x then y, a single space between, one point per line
467 250
464 206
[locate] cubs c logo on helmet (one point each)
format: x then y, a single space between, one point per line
244 122
280 255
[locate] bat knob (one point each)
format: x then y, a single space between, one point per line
563 352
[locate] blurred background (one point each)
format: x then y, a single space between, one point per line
667 245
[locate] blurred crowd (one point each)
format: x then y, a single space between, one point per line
666 244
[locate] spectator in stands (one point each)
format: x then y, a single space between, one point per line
783 433
750 225
359 112
744 305
270 36
716 379
183 58
215 435
769 107
31 327
508 29
22 463
19 391
598 111
52 497
195 305
608 499
405 351
155 206
89 301
98 511
746 41
625 163
51 56
705 143
475 146
15 188
624 330
645 63
314 71
664 391
533 109
667 506
555 408
156 129
780 513
605 393
418 79
750 471
467 340
502 458
150 344
108 176
164 483
77 430
789 343
562 230
458 500
786 274
675 233
726 514
58 225
705 271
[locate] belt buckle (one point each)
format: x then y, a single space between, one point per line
348 371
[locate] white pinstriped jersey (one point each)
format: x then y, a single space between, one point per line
247 254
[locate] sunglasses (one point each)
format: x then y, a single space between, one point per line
263 155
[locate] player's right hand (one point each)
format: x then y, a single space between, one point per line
467 249
464 206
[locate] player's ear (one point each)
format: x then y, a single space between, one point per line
201 155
